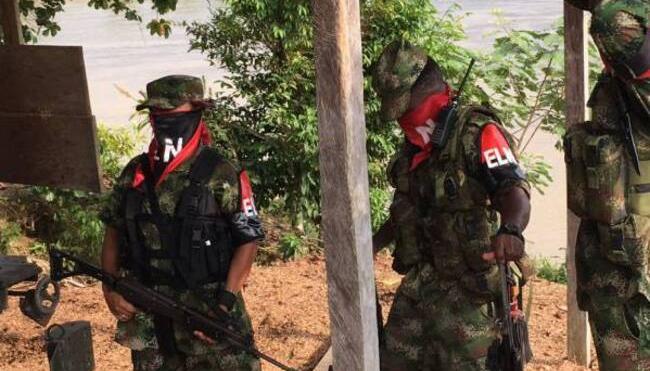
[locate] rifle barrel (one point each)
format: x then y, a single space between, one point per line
155 302
505 302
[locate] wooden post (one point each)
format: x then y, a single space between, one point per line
577 90
11 26
344 183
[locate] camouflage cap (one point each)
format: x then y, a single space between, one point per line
396 71
172 91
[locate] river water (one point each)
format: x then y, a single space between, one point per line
122 53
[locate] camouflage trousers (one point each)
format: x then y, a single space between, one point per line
153 360
190 353
612 288
436 325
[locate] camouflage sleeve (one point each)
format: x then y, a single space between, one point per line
491 156
234 194
112 213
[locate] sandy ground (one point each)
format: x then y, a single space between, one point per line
288 304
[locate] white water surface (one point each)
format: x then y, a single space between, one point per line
119 52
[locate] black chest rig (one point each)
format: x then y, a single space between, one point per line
196 244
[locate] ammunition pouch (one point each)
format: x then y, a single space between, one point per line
475 229
626 243
638 194
205 250
596 173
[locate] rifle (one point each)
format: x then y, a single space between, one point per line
513 350
37 303
626 125
449 116
151 301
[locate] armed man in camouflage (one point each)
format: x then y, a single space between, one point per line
181 219
461 201
608 170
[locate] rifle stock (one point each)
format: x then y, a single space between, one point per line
151 301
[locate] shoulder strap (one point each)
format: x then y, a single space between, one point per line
466 114
204 166
150 187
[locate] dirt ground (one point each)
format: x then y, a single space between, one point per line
288 303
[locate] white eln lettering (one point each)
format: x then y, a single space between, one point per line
494 158
510 156
491 158
426 131
170 150
249 207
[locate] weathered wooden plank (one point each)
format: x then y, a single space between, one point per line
49 150
344 185
10 22
43 79
577 86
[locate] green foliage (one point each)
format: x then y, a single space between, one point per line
550 271
266 109
291 247
40 15
38 248
9 233
71 218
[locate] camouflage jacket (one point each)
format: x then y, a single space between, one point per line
225 184
442 209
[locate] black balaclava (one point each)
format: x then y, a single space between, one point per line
172 132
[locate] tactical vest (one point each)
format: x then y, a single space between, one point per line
442 214
196 245
605 188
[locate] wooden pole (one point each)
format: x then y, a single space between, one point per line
10 22
577 90
344 184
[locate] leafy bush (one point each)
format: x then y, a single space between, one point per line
9 233
266 109
71 218
550 271
291 247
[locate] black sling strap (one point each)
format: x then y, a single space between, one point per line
200 173
145 165
205 165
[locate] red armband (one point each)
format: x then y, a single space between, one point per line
246 193
495 149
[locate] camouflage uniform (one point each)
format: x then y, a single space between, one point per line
443 316
613 252
138 334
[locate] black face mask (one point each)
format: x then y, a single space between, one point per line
172 132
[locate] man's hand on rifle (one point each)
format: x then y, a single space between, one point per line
505 247
121 309
203 336
513 204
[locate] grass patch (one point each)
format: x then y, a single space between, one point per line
551 271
